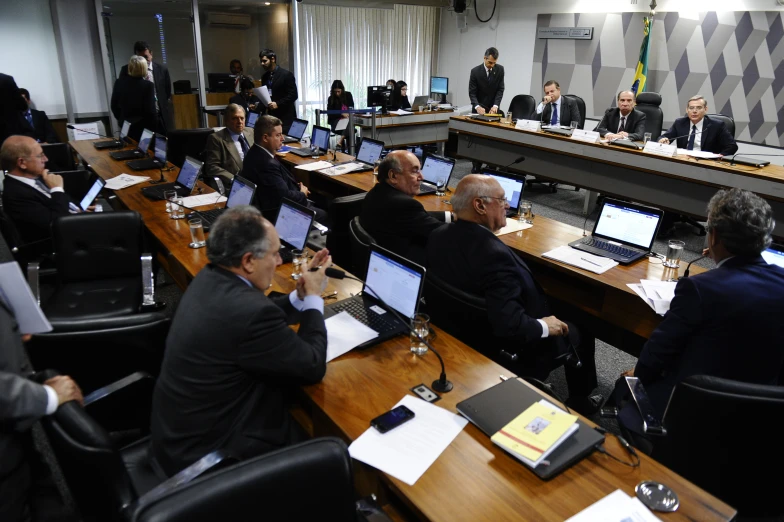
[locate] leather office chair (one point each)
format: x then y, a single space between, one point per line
580 105
728 121
186 142
360 247
59 157
341 211
650 104
522 107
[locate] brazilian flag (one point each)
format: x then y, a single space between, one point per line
641 73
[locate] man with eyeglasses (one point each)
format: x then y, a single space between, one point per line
32 198
469 256
696 131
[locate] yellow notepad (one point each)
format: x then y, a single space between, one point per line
533 434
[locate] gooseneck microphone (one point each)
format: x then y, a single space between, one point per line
541 118
688 267
69 126
441 384
515 162
676 138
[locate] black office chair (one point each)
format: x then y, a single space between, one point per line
360 247
650 104
59 157
341 211
522 106
76 183
186 142
728 121
580 105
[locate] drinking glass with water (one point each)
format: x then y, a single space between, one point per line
197 233
674 253
440 186
525 212
420 325
298 261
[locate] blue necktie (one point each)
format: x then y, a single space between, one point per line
244 144
554 119
693 134
29 118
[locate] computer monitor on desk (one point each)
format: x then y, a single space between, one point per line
439 85
220 82
378 96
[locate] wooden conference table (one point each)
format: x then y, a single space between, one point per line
416 128
472 479
683 184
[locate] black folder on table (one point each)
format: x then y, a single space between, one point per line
496 407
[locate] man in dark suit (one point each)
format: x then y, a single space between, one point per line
725 322
231 359
623 121
159 75
32 197
469 256
11 103
36 124
282 87
696 131
555 109
390 213
245 98
225 150
486 88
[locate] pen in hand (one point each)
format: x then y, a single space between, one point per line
589 261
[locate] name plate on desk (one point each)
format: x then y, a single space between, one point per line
660 149
529 125
586 136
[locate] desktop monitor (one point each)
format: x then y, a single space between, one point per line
220 82
378 96
439 85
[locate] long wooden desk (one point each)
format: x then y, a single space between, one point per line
682 184
412 129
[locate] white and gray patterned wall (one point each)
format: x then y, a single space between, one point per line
734 59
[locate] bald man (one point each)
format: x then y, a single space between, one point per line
469 256
623 121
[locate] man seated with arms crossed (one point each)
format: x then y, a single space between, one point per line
469 256
624 121
225 150
555 109
231 358
695 131
390 213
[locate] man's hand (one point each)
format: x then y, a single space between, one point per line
706 251
304 190
665 141
66 389
493 109
547 99
480 110
612 136
272 106
627 373
52 180
313 283
556 326
253 106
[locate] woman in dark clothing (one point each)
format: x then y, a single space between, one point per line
339 100
133 99
399 98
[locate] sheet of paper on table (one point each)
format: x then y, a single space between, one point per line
616 507
512 225
344 333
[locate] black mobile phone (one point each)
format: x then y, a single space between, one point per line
392 419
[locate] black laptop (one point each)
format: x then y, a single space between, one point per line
186 180
139 152
435 167
367 155
293 225
319 138
241 193
115 144
557 129
398 282
513 186
496 407
158 161
296 131
624 231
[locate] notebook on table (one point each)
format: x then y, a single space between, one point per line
435 167
139 152
367 155
186 180
296 131
318 138
158 161
241 193
293 225
624 231
115 144
513 186
557 129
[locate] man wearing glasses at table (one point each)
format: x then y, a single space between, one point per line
696 131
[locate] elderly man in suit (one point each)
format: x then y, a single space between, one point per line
226 149
696 131
623 121
555 109
226 388
282 87
158 74
36 124
486 87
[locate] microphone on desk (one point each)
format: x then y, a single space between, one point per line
515 162
676 138
441 384
69 126
541 118
688 267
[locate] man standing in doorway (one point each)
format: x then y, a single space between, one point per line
159 75
282 87
486 88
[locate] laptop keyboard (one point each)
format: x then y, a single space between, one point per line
609 247
356 309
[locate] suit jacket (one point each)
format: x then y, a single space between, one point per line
714 138
225 387
163 89
333 104
569 112
284 93
42 130
221 157
399 222
486 91
273 181
240 100
723 323
635 123
133 100
31 211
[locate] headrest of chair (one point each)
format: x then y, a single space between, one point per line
649 98
456 293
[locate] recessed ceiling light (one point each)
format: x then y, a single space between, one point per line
266 3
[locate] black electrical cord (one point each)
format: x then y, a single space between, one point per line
476 12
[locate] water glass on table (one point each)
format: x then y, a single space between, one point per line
298 261
177 210
525 212
421 329
674 252
421 108
315 152
168 195
197 233
646 138
574 125
440 186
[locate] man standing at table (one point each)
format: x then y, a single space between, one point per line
225 150
555 109
486 88
624 121
282 88
696 131
158 74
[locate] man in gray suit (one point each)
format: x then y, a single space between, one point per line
225 150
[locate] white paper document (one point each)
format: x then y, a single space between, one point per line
616 507
124 181
409 450
512 225
316 165
657 294
341 124
263 94
344 333
346 168
699 154
85 131
580 259
401 112
202 200
17 295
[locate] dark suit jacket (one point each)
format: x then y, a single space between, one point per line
240 100
486 91
569 112
163 88
723 323
41 130
221 157
273 181
635 123
714 138
230 362
284 93
333 104
133 100
399 222
31 211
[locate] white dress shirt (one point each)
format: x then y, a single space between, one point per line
236 139
311 302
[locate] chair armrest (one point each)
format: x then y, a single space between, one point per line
148 281
123 405
33 279
368 510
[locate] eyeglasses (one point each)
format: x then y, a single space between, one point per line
502 200
41 156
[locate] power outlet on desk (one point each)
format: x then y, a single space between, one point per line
425 393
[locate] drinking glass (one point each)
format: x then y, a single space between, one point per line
421 108
168 195
315 152
525 212
674 252
508 117
177 210
421 325
646 138
197 233
574 124
298 260
440 186
375 171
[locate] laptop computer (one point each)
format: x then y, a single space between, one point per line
139 152
296 131
319 138
158 161
252 117
186 180
487 117
95 189
242 192
624 231
774 255
435 167
115 144
367 155
496 407
513 186
557 129
398 282
293 225
419 100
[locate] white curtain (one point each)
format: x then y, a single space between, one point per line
362 47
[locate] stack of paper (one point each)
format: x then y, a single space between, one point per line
262 93
344 333
124 181
658 294
512 225
580 259
616 507
401 112
316 165
18 296
346 168
203 199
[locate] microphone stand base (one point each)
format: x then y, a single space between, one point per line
442 387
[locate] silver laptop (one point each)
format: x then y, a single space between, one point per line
293 225
252 117
367 155
419 100
774 255
296 131
435 167
318 138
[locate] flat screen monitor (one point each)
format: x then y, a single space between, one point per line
220 82
439 85
378 96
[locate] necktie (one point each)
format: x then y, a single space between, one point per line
29 118
488 73
244 145
622 126
554 119
693 134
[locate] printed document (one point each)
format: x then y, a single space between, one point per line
344 333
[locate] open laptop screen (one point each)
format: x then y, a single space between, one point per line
435 168
124 131
241 193
189 172
320 138
370 151
774 255
513 188
297 129
293 225
88 198
160 148
396 284
252 117
629 224
144 141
